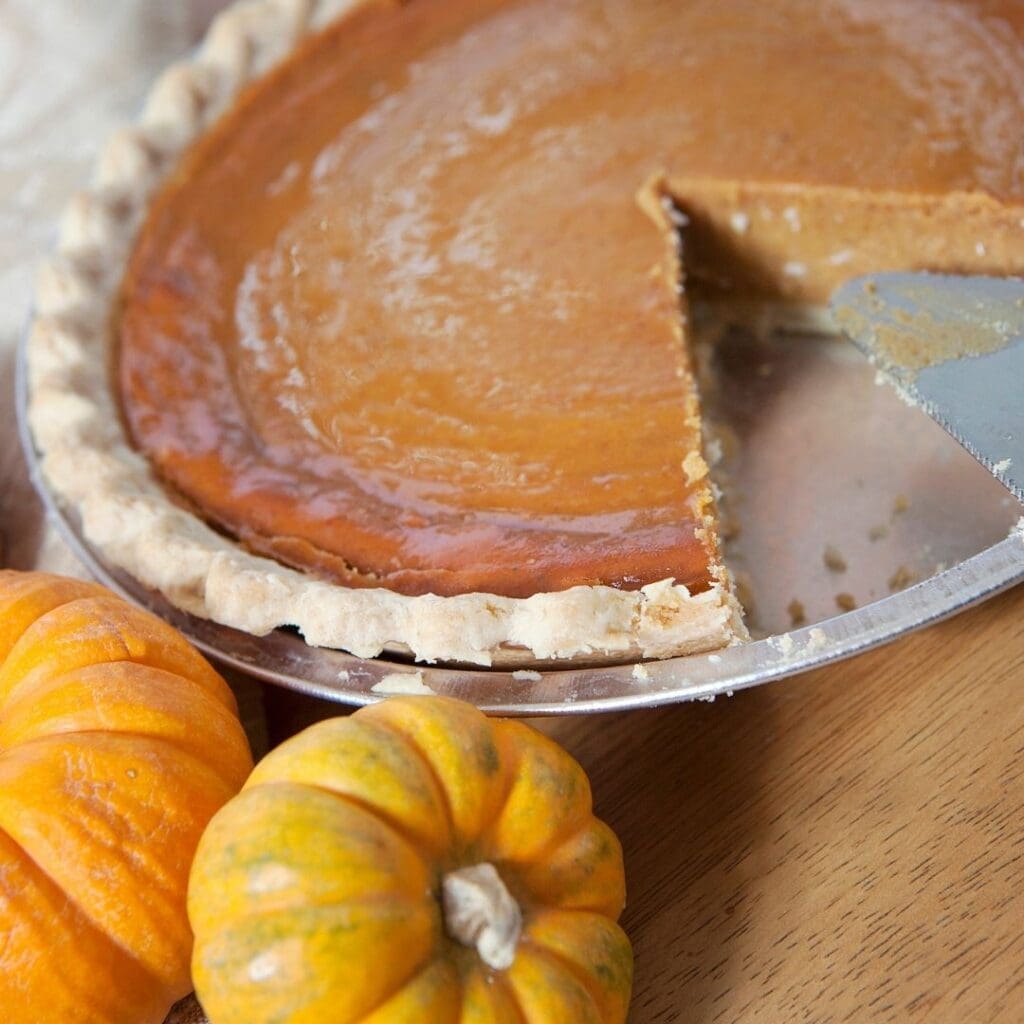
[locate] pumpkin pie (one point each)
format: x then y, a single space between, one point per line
392 298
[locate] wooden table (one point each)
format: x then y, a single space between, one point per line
844 846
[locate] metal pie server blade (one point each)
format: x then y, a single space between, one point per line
954 346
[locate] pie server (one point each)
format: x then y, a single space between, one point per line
954 346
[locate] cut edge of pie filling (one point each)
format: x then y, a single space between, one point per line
667 209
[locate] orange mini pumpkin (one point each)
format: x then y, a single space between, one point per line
415 862
118 742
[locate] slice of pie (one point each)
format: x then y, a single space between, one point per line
397 332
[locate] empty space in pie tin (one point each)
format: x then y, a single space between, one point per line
838 496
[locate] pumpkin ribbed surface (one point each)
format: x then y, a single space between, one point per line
118 742
320 893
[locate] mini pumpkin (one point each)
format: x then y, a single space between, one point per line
415 862
118 742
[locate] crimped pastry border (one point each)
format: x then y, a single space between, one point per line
88 461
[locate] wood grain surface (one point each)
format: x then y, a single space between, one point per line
843 846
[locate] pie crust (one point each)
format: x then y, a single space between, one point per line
126 513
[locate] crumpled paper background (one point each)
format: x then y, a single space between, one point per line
70 73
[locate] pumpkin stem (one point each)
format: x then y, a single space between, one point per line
480 913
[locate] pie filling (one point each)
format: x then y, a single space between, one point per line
400 319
